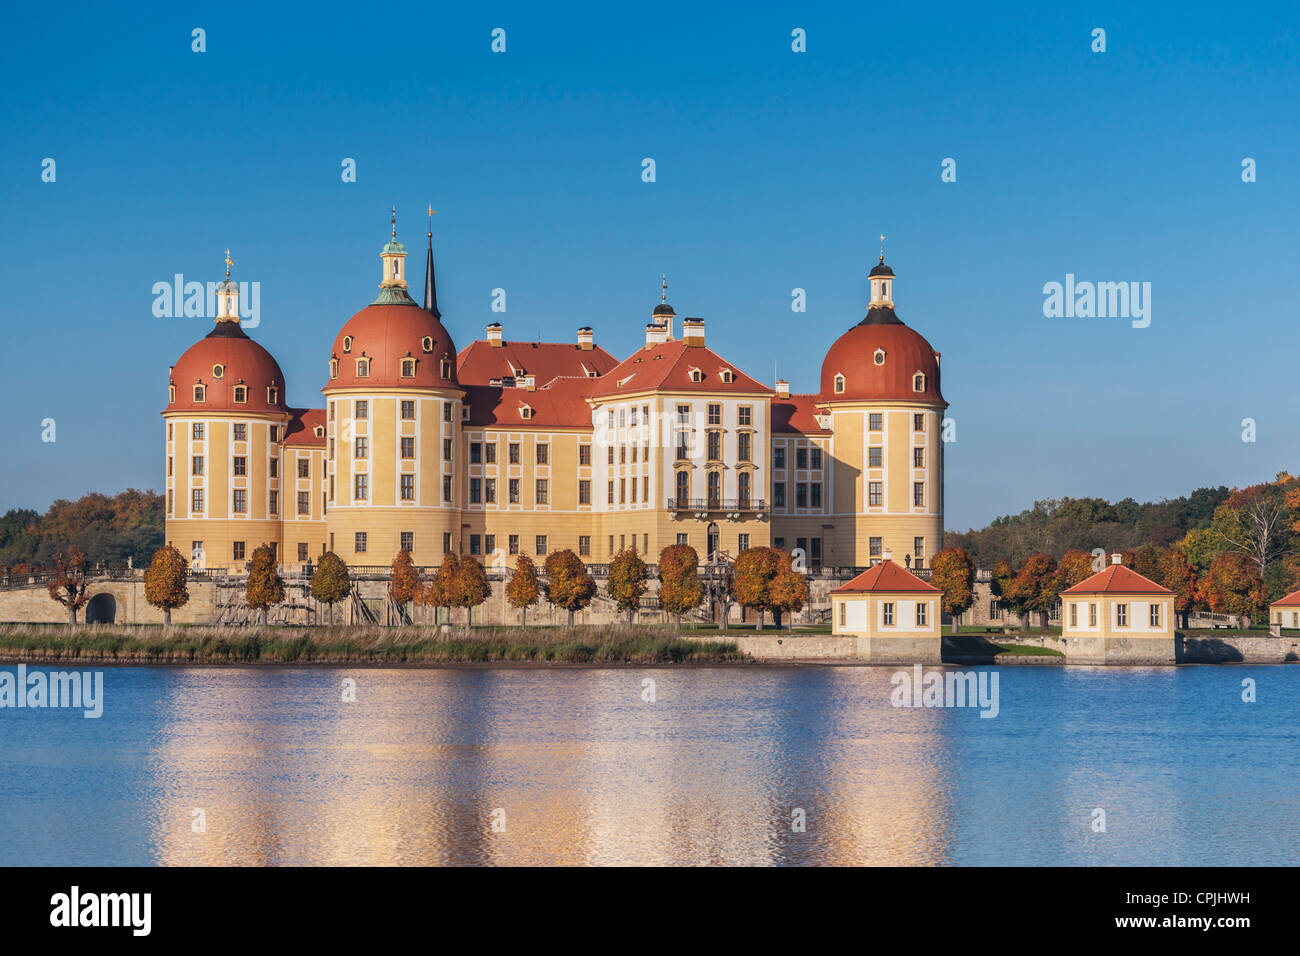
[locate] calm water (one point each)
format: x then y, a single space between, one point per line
587 772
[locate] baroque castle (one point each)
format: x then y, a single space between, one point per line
508 447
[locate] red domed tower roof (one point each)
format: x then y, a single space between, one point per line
246 371
880 358
392 342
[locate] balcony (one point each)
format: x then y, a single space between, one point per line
711 505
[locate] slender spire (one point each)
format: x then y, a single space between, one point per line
663 295
394 222
229 262
430 287
882 247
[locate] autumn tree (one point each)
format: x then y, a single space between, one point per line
568 585
470 587
680 587
404 584
1076 565
265 586
164 581
627 581
1255 521
1034 588
1003 575
68 586
523 589
1177 574
441 589
1233 585
330 582
789 593
757 572
953 571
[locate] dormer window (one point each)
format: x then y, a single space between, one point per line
319 431
839 384
426 343
445 367
200 393
334 368
363 368
918 382
347 343
218 371
697 375
272 395
728 375
408 368
525 412
879 357
171 394
241 394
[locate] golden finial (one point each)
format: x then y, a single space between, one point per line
432 213
229 263
663 295
394 222
882 247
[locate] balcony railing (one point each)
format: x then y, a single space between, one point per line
717 504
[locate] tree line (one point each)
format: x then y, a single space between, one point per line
107 530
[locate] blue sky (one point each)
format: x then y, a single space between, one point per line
775 170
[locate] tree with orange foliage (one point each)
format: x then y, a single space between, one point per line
1076 565
764 579
471 587
680 587
164 581
953 571
1177 574
1233 585
404 584
69 585
523 588
441 589
568 583
1034 588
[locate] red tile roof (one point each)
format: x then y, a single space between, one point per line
1117 579
1290 600
478 363
886 577
562 405
796 414
667 367
301 429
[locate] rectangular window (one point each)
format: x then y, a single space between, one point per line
609 455
408 541
584 454
995 611
361 448
816 457
475 491
715 414
475 453
362 409
611 545
715 446
801 495
514 453
1155 615
1074 614
801 457
541 544
446 538
745 415
512 489
490 453
241 433
196 465
446 417
683 414
611 493
921 612
815 554
875 493
543 454
304 502
622 454
683 538
778 456
645 489
584 544
918 423
540 496
475 544
275 503
778 494
918 493
1092 615
408 447
514 544
241 501
742 542
407 487
361 487
196 432
844 614
408 409
240 466
302 550
622 491
446 449
489 544
888 609
359 544
918 549
875 456
875 422
815 494
304 468
742 446
874 547
584 492
490 491
275 467
1121 615
237 550
446 487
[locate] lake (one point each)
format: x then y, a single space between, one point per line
725 765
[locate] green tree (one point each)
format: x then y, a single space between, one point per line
164 581
330 582
265 586
680 587
568 584
953 571
69 584
523 589
627 581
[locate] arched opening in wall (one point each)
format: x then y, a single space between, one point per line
713 540
102 609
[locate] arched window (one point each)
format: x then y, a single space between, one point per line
839 384
918 382
171 394
334 368
683 488
715 489
347 343
445 365
272 395
743 483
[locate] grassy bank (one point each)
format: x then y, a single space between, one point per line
969 645
357 645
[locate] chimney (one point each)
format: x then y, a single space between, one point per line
693 331
529 382
782 388
655 334
494 335
1117 558
586 338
